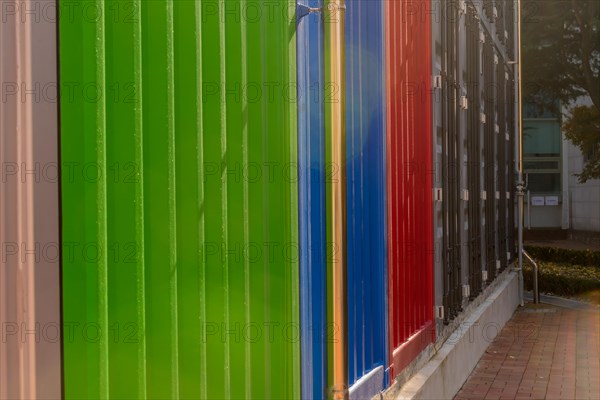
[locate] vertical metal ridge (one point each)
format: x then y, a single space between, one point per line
170 56
139 216
102 206
224 227
246 208
201 205
264 217
361 345
20 120
430 175
290 114
402 143
390 54
25 278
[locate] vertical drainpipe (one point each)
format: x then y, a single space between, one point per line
520 183
335 114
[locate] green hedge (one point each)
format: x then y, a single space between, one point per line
563 279
556 255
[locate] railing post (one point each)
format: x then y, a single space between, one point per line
536 291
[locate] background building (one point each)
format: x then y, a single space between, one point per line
555 198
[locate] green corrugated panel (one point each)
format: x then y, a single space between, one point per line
179 220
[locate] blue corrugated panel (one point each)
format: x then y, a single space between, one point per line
311 158
366 206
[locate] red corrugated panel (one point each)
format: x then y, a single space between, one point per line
410 170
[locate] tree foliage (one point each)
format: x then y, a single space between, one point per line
582 128
561 60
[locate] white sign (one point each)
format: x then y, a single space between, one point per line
551 200
537 201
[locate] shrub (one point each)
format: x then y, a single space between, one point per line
556 255
562 279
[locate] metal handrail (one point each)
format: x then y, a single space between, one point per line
536 292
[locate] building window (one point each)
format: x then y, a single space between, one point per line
543 182
591 153
542 148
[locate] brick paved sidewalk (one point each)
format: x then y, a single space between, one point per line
543 352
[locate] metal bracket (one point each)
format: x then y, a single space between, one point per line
464 102
437 81
437 194
303 10
484 276
339 392
466 290
483 118
464 194
520 188
334 6
439 312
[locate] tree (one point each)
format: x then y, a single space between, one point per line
583 130
561 60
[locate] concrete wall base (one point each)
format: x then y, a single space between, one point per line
449 367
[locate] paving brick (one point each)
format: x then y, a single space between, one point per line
543 355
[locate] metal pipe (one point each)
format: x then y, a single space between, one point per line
529 209
520 184
334 26
536 292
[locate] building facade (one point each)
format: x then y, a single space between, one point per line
555 198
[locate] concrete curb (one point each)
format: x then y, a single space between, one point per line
563 302
446 372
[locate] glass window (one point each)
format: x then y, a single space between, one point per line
539 164
532 110
544 182
541 138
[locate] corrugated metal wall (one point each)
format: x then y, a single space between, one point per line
474 148
311 201
366 190
29 247
193 212
410 170
180 215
